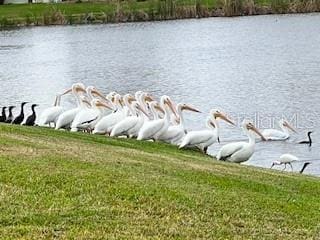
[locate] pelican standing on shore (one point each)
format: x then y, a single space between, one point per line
175 133
205 138
239 152
156 128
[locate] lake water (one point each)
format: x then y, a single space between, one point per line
262 67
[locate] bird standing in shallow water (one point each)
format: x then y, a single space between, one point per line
32 118
10 116
3 117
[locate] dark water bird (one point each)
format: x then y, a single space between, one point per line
19 119
3 116
32 118
309 141
10 116
304 167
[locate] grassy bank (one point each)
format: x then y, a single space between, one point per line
74 186
149 10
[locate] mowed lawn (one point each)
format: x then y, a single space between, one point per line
61 185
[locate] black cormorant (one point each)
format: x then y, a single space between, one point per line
32 118
19 119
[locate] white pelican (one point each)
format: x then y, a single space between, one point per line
240 151
278 135
65 119
131 125
156 128
106 123
89 116
175 133
51 114
284 160
204 138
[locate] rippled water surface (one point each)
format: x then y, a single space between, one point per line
262 67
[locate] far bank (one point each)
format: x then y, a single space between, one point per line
68 13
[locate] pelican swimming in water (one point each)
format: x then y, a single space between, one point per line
155 128
175 133
239 152
202 139
131 125
279 135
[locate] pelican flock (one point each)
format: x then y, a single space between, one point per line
143 117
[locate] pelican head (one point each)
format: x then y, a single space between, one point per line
187 107
155 105
117 99
250 127
148 97
79 88
215 113
137 106
85 101
93 92
166 100
101 104
286 124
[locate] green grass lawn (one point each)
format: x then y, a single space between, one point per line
61 185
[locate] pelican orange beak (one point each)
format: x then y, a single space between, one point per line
172 108
86 102
157 106
141 109
286 124
148 98
66 92
102 104
253 128
80 89
131 99
97 93
223 117
121 101
189 108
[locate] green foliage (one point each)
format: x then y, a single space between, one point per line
133 10
61 185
